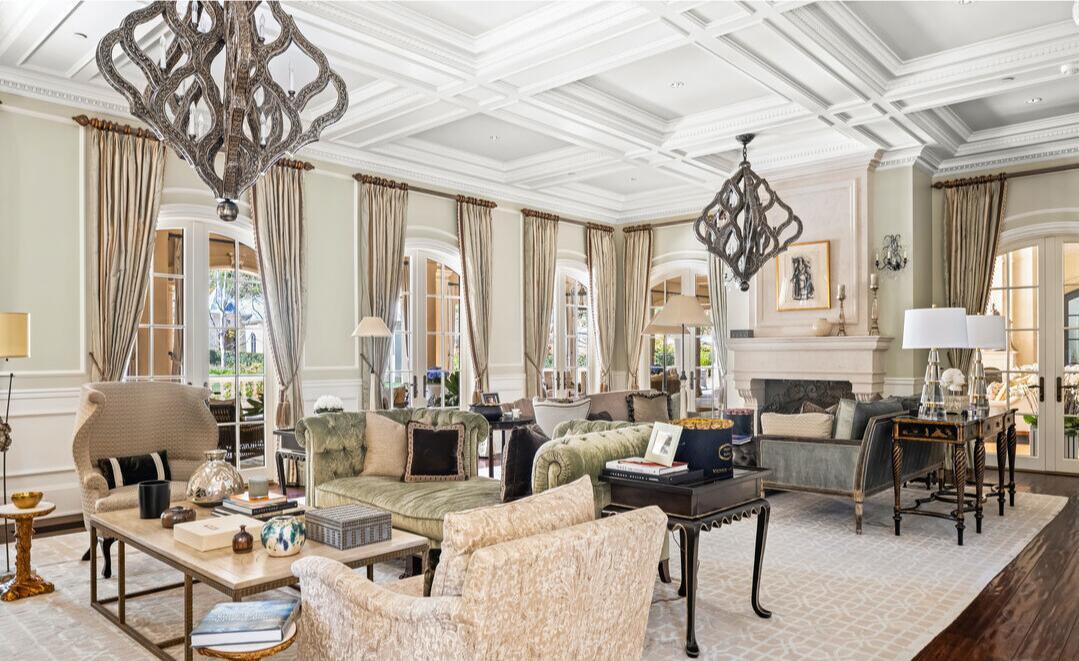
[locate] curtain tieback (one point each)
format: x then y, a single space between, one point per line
284 408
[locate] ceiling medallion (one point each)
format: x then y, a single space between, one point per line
734 226
252 121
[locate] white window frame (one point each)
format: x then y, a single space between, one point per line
561 323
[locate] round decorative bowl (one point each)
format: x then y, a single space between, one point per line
283 535
214 481
177 514
822 327
25 500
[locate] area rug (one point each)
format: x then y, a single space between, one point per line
833 594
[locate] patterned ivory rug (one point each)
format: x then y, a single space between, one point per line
833 595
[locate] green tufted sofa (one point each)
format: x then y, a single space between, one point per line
335 444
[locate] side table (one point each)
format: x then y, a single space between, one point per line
504 424
697 507
24 583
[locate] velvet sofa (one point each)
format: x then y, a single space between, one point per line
335 444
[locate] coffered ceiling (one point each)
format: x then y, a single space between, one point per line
626 111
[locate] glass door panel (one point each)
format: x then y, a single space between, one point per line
1067 379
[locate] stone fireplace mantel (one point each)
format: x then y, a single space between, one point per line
857 359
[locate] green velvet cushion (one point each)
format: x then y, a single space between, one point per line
417 507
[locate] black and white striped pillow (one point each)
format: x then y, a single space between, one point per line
124 471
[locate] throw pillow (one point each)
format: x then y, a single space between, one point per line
810 407
549 413
844 419
125 471
463 533
863 411
435 454
519 454
601 415
805 425
648 407
385 442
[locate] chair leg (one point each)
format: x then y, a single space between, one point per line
106 547
86 556
665 570
858 516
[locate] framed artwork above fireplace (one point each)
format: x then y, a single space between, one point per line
803 277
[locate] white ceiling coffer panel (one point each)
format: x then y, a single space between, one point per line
627 111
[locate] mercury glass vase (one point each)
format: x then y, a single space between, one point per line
214 481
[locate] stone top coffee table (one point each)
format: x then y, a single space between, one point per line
236 576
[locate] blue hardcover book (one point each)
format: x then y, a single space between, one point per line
232 623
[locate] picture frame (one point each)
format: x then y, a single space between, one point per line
803 277
663 444
490 398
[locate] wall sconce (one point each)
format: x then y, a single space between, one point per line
891 256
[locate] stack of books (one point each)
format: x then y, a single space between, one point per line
245 623
641 470
263 509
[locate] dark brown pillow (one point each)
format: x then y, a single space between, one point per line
519 454
435 454
601 415
648 407
810 407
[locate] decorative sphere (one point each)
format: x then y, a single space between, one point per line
283 535
227 210
744 286
214 481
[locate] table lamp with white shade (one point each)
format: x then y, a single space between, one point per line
984 331
372 327
678 313
933 329
14 343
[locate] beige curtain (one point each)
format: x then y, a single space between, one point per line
277 208
602 275
474 235
540 256
638 268
383 211
973 216
717 295
129 167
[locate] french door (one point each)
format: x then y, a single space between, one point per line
1036 288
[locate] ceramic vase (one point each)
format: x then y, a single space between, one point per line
243 542
822 327
214 481
283 535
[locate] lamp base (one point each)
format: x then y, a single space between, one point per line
931 405
978 405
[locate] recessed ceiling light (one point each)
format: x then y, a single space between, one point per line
81 35
493 137
677 84
965 2
571 173
633 178
1069 69
1034 99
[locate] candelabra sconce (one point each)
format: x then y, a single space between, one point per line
842 314
891 256
874 307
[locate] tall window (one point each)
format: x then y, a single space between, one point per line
566 365
159 343
443 331
400 372
663 349
237 337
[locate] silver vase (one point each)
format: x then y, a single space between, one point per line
214 481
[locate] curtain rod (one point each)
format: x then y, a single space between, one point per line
451 196
106 125
955 183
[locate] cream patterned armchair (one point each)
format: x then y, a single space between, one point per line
537 578
124 419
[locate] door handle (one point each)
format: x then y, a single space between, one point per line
1059 389
1041 388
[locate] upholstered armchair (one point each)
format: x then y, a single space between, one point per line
124 419
525 583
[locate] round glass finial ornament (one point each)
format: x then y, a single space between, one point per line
214 481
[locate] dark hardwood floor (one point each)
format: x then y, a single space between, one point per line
1031 609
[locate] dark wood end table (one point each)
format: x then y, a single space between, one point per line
697 507
956 431
506 423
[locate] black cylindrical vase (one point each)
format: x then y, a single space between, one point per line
153 498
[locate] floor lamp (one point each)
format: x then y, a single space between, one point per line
681 312
14 343
372 327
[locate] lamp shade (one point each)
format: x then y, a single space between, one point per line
986 331
682 310
372 327
14 334
935 328
656 329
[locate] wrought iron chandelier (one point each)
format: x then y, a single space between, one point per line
734 226
252 120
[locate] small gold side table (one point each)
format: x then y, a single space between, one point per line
252 652
24 583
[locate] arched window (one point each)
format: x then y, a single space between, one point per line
664 356
568 364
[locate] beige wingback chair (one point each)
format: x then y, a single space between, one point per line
124 419
537 578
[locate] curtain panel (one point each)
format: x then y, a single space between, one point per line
277 209
638 269
717 295
474 235
973 218
127 172
540 257
383 212
602 274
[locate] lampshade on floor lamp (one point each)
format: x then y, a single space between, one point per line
933 329
372 327
984 331
680 312
14 343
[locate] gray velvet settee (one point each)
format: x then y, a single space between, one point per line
855 468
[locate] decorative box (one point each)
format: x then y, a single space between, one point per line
215 532
348 526
705 444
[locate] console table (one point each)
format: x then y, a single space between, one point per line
696 507
955 431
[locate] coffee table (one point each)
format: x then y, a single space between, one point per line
236 576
